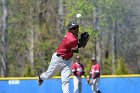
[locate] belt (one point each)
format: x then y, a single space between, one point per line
58 55
61 56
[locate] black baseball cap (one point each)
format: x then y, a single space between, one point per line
73 24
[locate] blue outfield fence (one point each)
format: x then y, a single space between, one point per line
108 84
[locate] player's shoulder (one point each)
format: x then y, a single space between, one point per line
74 64
98 64
70 36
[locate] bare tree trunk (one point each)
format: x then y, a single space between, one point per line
31 47
95 24
4 38
31 39
113 49
100 49
97 47
60 21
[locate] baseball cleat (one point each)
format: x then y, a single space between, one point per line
98 91
40 81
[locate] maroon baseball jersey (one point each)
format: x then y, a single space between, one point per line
95 68
68 44
78 68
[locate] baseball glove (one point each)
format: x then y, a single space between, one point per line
83 39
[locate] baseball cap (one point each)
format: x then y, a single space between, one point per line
78 57
93 58
73 25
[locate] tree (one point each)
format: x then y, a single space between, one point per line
110 22
121 67
4 39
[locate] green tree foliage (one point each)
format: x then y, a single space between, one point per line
28 71
26 16
121 67
116 27
107 66
83 7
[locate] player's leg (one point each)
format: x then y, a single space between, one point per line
65 76
95 85
75 82
53 68
80 85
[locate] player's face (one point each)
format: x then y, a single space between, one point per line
75 30
93 61
78 60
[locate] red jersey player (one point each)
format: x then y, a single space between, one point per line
78 71
94 78
61 59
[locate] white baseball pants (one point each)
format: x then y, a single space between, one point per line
94 84
58 64
77 81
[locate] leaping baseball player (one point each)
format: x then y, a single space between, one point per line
61 59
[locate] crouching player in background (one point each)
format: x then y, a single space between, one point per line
94 77
78 71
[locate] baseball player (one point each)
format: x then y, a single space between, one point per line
94 78
78 71
61 59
